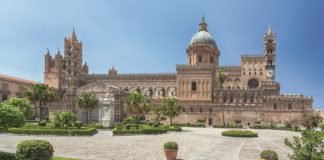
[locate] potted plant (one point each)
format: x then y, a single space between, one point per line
171 150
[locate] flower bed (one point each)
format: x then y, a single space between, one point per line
54 131
239 133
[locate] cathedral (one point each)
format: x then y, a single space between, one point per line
249 91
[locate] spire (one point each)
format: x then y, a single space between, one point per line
73 36
48 52
58 51
203 25
269 30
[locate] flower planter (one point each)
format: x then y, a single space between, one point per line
171 154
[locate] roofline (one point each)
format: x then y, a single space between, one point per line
16 80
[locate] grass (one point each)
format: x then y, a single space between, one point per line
239 133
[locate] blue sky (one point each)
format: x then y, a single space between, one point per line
146 36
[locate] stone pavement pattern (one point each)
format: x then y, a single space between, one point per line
194 144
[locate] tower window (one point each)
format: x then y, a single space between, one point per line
199 59
193 86
211 59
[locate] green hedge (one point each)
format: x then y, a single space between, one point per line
190 125
260 126
34 149
269 155
239 133
144 129
174 128
7 156
48 131
228 126
12 156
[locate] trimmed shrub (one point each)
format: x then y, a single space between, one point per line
129 120
42 123
170 145
238 121
50 131
10 116
174 128
269 155
200 120
34 149
128 127
257 122
190 125
78 124
7 156
239 133
260 126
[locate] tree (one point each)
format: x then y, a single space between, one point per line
157 111
22 104
87 101
64 119
308 147
313 120
10 116
221 77
40 93
137 105
171 108
321 125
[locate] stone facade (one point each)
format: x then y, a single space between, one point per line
250 92
11 87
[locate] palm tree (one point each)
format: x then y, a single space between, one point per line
171 108
137 104
221 77
87 101
41 93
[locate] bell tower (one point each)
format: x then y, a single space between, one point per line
270 53
73 60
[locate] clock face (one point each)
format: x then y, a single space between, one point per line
270 73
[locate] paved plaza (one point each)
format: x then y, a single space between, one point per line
194 144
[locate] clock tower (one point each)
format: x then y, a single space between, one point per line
270 53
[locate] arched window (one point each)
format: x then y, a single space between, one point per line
245 99
183 109
189 60
225 99
191 110
199 59
232 99
200 110
289 106
211 59
251 99
193 86
210 110
275 106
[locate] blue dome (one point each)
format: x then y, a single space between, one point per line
202 37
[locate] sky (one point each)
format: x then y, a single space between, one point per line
146 36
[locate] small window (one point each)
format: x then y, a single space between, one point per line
289 106
199 59
200 110
210 110
193 86
191 110
275 106
211 59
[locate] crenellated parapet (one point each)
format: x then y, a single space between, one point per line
290 97
253 58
